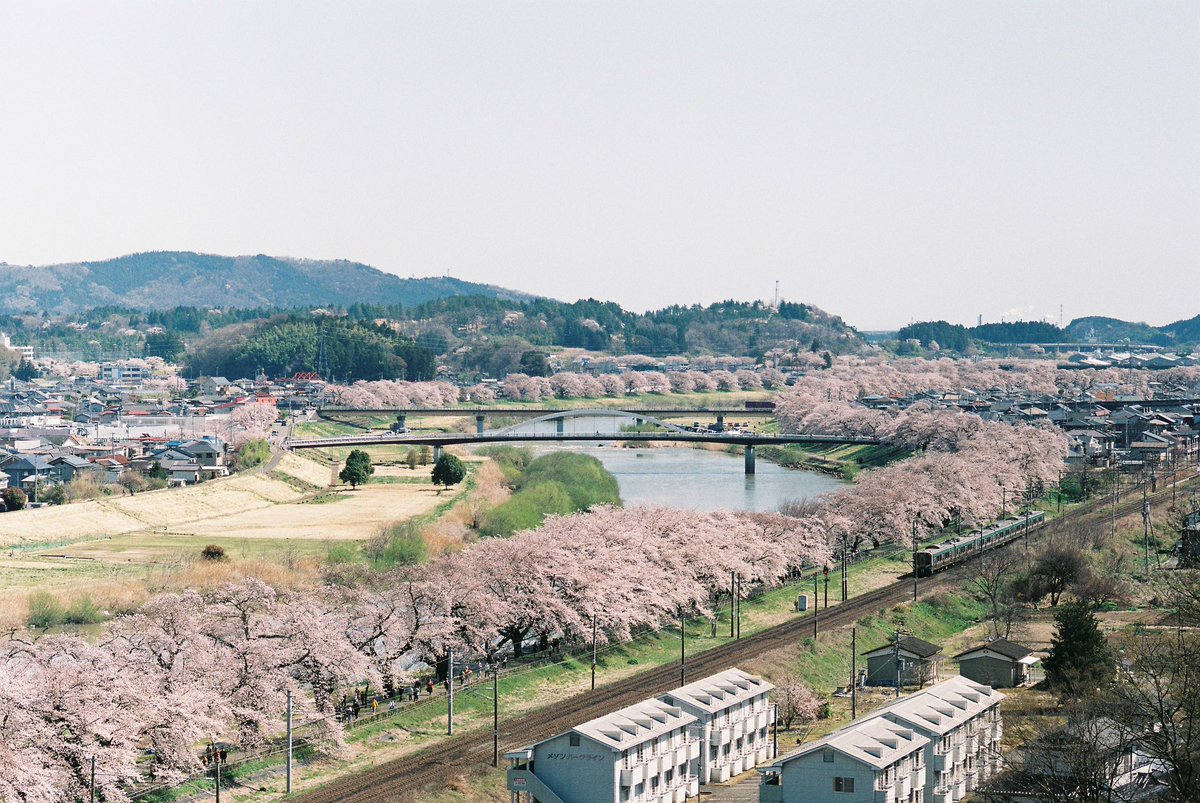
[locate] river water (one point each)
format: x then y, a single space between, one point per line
695 479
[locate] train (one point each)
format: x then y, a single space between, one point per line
935 558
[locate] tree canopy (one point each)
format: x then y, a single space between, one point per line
448 470
358 469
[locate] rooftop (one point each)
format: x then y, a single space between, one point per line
634 724
718 692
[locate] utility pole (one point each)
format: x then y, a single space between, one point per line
1112 526
1146 531
496 712
815 611
218 784
289 742
739 606
826 572
450 696
92 784
853 673
682 647
732 600
845 580
775 731
593 652
914 558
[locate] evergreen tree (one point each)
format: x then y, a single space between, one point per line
358 468
448 470
1079 659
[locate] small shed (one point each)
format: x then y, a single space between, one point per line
1001 664
918 662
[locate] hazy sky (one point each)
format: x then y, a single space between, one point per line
887 161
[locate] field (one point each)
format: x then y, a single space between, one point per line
114 549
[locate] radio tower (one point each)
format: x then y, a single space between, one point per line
777 294
322 358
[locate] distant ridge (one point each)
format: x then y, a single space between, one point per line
166 279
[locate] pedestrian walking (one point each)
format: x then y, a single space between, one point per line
429 687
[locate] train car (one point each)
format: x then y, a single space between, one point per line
936 558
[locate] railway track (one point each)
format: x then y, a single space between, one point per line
407 778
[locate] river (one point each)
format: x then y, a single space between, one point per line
696 479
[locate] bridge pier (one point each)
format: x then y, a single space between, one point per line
437 453
721 423
637 422
749 460
559 424
479 425
400 422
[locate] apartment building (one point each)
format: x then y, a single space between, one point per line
734 716
648 752
956 725
877 760
961 719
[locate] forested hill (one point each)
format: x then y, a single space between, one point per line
166 279
1094 329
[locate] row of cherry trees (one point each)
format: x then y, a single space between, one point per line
963 467
193 666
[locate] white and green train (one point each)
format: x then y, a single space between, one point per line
935 558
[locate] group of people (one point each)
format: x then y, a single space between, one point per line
352 705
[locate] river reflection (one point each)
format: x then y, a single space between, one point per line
695 479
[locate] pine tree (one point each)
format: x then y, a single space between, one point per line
1079 659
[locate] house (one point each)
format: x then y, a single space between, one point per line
181 472
877 760
1001 664
213 385
25 467
918 662
208 454
65 468
734 716
649 751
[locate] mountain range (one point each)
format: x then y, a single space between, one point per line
166 279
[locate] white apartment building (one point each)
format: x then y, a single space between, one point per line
877 760
961 719
957 723
646 753
734 716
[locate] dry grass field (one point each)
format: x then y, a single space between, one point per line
114 549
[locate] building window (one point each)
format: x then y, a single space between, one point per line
573 739
827 756
843 784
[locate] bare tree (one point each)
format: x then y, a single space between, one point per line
993 578
1086 761
1158 692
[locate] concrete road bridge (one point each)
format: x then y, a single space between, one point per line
481 414
527 432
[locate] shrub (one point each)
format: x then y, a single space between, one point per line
45 611
342 554
52 494
213 552
400 544
83 486
252 453
14 498
83 611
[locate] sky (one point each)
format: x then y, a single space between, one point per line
886 161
